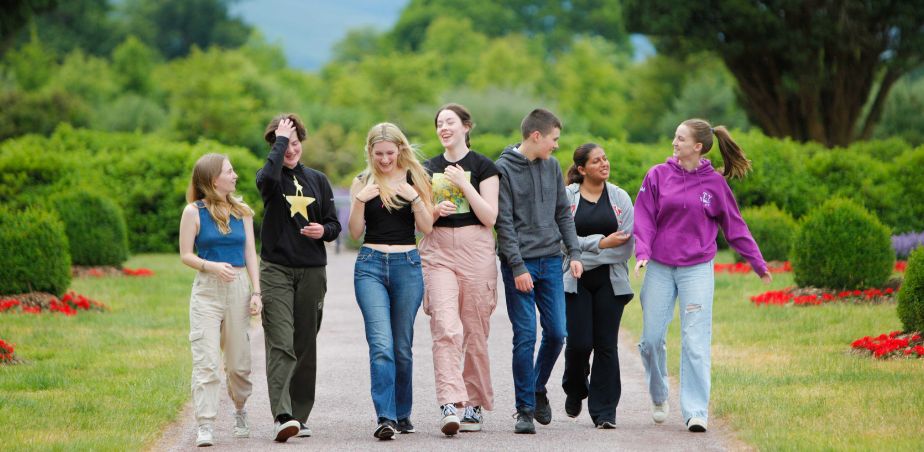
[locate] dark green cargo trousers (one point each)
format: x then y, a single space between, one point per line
293 300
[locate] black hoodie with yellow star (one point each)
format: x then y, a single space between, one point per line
283 190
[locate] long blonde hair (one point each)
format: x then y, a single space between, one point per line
407 160
202 187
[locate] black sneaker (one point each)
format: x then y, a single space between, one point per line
386 429
573 405
286 427
605 424
543 409
405 426
524 422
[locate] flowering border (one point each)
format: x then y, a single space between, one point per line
783 267
892 345
7 353
100 272
69 305
815 297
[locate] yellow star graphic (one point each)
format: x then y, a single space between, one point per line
299 204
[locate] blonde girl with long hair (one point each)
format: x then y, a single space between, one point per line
390 199
217 240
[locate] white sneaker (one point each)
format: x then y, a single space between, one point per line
450 423
286 430
303 431
659 412
471 420
241 428
204 437
696 424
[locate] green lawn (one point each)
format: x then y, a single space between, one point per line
784 378
101 381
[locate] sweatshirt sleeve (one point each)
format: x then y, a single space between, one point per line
737 233
564 219
331 223
272 169
624 203
507 245
644 221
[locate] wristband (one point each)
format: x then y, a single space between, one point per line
252 294
360 200
202 267
415 199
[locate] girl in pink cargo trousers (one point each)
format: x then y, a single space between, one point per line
460 272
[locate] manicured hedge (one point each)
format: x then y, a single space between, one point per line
34 252
95 228
773 230
145 175
911 295
840 245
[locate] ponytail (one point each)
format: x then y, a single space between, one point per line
737 165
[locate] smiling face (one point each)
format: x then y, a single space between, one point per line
293 152
685 149
450 130
547 144
226 181
385 156
597 168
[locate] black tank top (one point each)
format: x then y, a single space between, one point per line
388 228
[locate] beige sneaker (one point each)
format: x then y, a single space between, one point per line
659 412
204 437
241 428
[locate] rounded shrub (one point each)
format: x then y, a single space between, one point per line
911 295
773 230
95 228
840 245
34 252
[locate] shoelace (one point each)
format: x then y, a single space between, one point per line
449 410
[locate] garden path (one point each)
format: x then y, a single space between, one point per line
343 419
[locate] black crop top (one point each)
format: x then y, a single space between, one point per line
388 228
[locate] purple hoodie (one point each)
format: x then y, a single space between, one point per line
678 214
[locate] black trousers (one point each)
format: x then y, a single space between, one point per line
593 316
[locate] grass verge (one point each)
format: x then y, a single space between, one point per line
784 377
100 381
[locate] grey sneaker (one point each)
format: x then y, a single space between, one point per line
241 428
524 422
471 420
659 412
303 431
204 436
449 425
543 409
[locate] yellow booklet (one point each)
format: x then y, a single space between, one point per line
445 190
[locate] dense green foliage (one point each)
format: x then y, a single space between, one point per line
772 229
840 245
911 294
95 228
145 175
804 72
34 252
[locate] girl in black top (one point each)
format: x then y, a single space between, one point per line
389 200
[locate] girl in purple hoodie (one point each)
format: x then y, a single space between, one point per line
680 206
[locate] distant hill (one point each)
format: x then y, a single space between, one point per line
308 30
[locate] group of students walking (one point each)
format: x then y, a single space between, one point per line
563 251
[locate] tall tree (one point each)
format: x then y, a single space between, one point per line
16 14
174 26
808 69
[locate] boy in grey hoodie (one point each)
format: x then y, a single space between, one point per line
532 222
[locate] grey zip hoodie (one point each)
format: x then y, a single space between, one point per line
533 211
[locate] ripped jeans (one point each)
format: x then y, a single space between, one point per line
695 286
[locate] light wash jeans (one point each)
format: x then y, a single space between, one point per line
695 286
389 289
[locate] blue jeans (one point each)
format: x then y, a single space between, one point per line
389 289
548 295
695 285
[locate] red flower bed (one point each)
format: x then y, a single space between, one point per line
813 297
900 266
744 267
69 304
137 272
7 355
892 345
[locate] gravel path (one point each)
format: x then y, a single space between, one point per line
343 417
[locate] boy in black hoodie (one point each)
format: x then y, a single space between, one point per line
532 221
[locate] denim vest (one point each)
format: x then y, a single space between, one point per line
214 246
